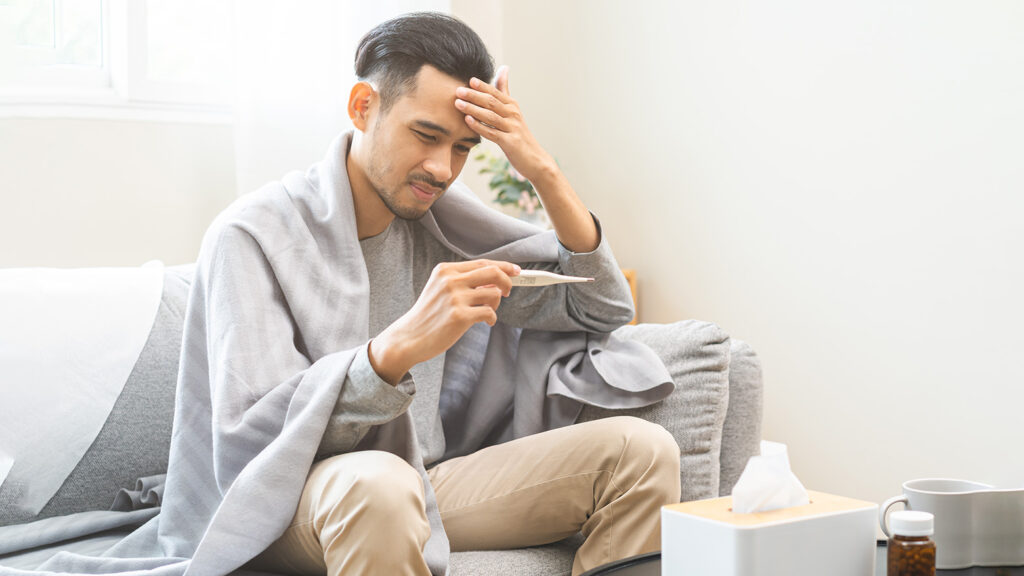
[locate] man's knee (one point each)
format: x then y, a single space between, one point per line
643 442
367 486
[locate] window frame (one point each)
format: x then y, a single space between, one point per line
120 90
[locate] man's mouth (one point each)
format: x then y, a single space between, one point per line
423 192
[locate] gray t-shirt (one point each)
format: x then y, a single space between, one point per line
396 280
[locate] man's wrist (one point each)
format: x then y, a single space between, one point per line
387 359
547 177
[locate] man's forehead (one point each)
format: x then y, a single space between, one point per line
430 105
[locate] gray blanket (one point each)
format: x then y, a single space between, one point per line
277 312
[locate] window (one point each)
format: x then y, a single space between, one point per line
48 44
156 58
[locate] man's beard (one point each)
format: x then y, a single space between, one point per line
390 199
392 196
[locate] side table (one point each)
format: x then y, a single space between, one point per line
650 565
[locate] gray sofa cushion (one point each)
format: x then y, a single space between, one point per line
135 440
697 355
549 560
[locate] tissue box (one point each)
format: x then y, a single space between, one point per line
831 535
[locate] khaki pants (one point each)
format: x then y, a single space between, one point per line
364 513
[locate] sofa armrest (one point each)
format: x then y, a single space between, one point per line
135 440
697 355
741 436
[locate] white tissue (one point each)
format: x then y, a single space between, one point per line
767 483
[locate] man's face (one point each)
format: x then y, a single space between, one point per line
419 146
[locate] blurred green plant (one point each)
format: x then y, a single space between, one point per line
508 185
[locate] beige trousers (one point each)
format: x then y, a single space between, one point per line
364 512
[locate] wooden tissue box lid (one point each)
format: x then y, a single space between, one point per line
720 509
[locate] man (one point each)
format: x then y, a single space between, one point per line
361 390
422 102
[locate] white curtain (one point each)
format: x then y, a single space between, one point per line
294 70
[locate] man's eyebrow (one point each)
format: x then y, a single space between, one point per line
428 125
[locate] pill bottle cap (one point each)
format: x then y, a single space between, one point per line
912 523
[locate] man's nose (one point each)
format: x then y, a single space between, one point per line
439 164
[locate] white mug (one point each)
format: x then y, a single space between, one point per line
975 524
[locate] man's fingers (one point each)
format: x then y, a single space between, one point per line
478 84
485 100
482 114
488 275
483 314
485 130
489 296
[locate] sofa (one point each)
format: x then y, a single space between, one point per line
714 415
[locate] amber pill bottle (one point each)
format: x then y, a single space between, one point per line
911 548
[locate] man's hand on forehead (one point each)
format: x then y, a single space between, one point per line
492 113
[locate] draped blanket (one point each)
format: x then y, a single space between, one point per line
276 315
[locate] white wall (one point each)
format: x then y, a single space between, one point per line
294 70
839 184
109 192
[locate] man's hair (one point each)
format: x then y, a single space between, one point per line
392 54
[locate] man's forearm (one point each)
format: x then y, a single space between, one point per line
572 221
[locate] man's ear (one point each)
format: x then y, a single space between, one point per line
359 102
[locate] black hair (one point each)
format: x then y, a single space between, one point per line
392 54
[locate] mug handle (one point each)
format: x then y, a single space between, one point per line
883 512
